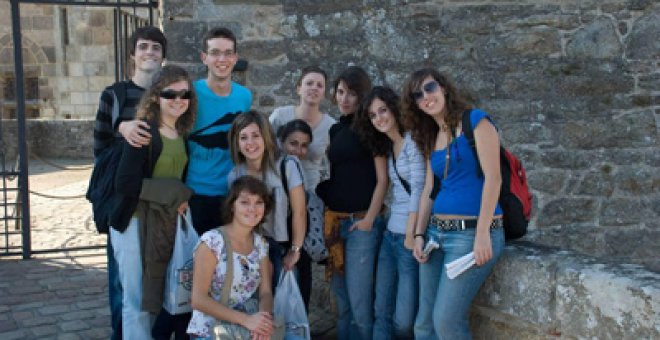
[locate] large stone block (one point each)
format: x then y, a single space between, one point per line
607 302
537 42
536 292
188 37
635 180
613 212
597 40
601 182
551 182
522 285
178 9
563 210
642 43
626 130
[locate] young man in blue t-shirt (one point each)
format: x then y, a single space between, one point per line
220 100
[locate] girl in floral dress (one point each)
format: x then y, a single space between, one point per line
243 317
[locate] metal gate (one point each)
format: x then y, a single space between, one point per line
14 186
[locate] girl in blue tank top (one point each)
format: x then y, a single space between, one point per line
464 217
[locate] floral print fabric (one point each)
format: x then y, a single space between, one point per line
245 282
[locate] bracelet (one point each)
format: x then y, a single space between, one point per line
420 235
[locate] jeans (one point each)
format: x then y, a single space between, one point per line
114 292
276 253
167 324
444 304
397 281
136 322
205 212
354 290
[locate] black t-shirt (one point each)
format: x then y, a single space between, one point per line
352 170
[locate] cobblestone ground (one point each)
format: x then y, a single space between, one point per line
62 295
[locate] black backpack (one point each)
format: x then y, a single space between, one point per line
101 191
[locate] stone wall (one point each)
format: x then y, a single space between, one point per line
49 139
547 293
68 58
574 87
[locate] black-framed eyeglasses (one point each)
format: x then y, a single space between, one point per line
218 53
427 88
171 94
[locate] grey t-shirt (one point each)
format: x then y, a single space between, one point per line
275 225
313 164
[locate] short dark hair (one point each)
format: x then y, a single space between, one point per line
253 186
311 69
357 80
296 125
218 32
148 33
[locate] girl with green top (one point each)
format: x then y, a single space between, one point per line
169 108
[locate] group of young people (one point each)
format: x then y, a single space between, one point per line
246 179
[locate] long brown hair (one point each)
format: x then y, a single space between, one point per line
271 152
149 107
378 142
422 127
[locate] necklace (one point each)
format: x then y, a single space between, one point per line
169 126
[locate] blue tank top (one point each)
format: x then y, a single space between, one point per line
461 191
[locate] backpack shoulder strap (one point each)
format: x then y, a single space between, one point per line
285 182
404 183
119 92
466 126
229 275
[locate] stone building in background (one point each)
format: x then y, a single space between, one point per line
68 58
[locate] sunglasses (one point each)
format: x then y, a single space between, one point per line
428 88
171 94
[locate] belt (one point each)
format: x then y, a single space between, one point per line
454 225
354 215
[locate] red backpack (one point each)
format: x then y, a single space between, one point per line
515 197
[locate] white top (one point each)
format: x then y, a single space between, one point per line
245 280
412 168
313 163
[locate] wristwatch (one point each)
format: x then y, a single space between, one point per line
295 248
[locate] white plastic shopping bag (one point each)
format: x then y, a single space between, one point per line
289 308
178 279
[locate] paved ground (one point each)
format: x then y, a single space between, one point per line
60 295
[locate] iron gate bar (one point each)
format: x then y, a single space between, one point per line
20 115
23 179
148 4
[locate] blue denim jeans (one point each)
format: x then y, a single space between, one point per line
397 284
354 290
136 323
114 292
444 304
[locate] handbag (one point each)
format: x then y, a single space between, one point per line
178 277
289 308
313 243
